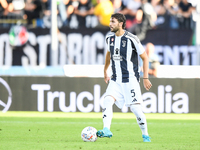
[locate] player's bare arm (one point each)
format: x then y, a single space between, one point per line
107 63
147 83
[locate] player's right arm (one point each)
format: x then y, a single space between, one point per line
146 82
107 63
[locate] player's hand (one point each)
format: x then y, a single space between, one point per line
147 84
106 78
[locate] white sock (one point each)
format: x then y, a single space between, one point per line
107 111
140 117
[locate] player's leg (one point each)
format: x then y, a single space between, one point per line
108 111
107 117
133 99
113 95
141 120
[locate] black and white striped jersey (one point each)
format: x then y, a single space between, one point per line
124 51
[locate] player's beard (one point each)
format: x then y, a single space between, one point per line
114 29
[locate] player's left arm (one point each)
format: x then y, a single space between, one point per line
146 82
107 63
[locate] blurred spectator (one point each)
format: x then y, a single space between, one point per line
117 5
84 9
145 19
172 10
62 11
153 60
130 10
185 12
12 8
158 7
161 12
72 17
65 13
141 15
69 7
46 7
11 11
103 10
45 11
6 7
3 6
32 10
133 6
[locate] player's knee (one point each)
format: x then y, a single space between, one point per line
108 100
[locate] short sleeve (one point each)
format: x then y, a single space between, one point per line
107 43
139 48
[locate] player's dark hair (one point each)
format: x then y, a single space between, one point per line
121 18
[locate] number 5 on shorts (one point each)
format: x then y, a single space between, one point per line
134 99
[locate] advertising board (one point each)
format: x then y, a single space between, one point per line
83 94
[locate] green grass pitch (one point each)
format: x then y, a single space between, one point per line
62 131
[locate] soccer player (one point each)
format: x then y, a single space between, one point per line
123 88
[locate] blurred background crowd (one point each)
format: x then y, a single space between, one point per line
141 14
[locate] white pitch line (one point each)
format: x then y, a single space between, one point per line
126 123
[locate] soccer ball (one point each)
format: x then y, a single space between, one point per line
88 134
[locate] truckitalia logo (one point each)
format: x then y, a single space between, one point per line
163 101
5 103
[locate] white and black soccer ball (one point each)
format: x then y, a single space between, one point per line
88 134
